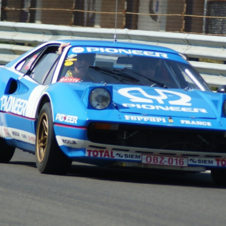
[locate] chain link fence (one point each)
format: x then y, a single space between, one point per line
186 16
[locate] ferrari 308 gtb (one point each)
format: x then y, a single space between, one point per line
111 104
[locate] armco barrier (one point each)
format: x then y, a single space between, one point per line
19 37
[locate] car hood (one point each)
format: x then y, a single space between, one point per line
167 102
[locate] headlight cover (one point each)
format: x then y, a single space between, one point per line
100 98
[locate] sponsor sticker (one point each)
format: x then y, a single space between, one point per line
163 108
68 142
69 79
110 154
24 136
135 52
183 161
28 65
15 133
15 105
78 50
19 135
162 97
194 122
6 132
144 118
211 162
66 118
31 139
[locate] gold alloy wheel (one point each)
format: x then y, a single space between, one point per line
42 137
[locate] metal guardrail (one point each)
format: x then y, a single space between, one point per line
19 36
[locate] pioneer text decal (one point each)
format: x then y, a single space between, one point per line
15 105
66 118
119 51
163 108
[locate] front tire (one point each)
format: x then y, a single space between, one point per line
6 151
49 158
219 176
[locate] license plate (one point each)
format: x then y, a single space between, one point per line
164 160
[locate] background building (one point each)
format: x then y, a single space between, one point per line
196 16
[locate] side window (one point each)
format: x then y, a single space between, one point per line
26 64
49 77
39 65
42 68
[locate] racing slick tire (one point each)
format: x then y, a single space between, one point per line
6 151
219 176
49 158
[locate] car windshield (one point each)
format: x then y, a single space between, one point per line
126 66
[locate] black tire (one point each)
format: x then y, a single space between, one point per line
49 158
6 151
219 176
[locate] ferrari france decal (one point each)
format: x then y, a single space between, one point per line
144 118
194 122
160 98
110 154
14 105
118 51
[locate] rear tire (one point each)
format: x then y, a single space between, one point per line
49 158
219 176
6 151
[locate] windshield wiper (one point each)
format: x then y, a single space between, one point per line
151 80
187 88
113 72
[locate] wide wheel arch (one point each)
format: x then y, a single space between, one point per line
49 158
43 100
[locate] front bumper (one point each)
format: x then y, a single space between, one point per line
129 144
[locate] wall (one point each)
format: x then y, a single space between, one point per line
107 19
57 17
197 23
175 23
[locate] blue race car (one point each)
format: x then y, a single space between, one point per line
111 104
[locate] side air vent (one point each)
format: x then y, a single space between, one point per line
11 86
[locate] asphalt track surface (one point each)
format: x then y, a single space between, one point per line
93 196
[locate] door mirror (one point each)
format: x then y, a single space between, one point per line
221 89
